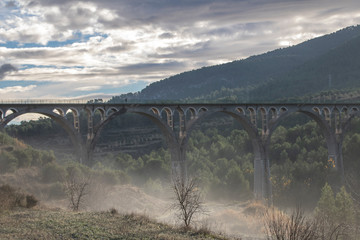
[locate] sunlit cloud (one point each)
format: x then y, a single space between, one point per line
88 88
17 89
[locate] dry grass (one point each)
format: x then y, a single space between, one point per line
255 208
51 224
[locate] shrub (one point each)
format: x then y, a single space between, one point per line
113 211
153 187
56 191
31 201
53 172
48 157
10 198
335 215
109 177
8 162
24 157
279 226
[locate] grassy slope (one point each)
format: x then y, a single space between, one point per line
51 224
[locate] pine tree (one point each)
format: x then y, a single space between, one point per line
326 207
345 211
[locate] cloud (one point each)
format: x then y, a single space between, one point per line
88 88
111 43
10 4
17 89
6 68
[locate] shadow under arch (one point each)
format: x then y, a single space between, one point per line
165 129
177 154
251 131
331 143
262 188
62 121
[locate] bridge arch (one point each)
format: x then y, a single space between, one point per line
261 184
76 117
273 113
168 113
240 110
151 114
202 109
322 120
111 111
62 121
155 111
59 111
100 110
10 111
192 111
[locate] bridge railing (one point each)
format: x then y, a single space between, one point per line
43 101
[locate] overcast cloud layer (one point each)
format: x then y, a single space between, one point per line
64 48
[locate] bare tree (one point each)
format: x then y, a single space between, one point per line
77 188
279 226
187 199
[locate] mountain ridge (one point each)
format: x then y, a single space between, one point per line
251 76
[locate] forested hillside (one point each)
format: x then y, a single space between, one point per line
336 69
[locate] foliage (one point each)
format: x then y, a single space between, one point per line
335 215
14 155
53 172
154 187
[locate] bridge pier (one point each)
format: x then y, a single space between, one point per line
262 182
259 178
335 157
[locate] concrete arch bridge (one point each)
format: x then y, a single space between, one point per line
176 121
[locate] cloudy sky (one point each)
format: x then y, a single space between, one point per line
69 49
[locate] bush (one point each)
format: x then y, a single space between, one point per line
48 157
279 226
153 187
10 198
31 201
24 157
56 191
8 162
335 215
109 177
53 172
